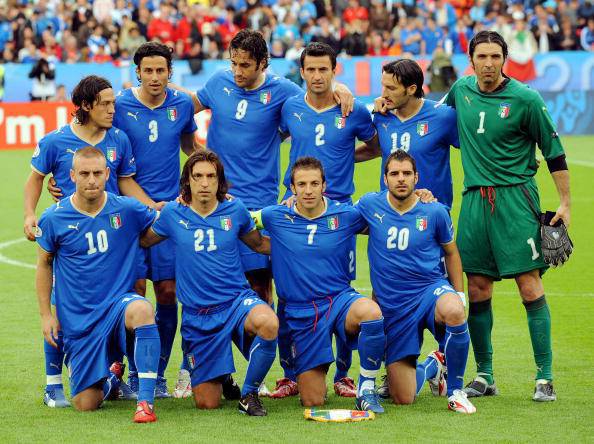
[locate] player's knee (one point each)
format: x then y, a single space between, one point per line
84 403
265 323
530 288
312 400
207 403
140 312
366 310
479 290
454 313
403 399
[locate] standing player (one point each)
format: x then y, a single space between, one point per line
94 100
317 128
500 121
218 306
83 239
310 245
246 105
406 238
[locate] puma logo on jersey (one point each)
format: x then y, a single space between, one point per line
373 361
467 99
73 227
381 218
298 116
68 150
134 115
385 125
228 90
185 223
291 218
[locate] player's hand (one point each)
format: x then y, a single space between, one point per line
158 206
53 189
425 195
344 97
289 201
380 106
229 196
30 227
180 200
564 213
50 327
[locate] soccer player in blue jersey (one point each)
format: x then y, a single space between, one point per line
406 238
94 100
88 242
317 128
310 245
218 305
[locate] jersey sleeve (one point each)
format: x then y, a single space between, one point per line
162 226
44 157
127 166
364 128
540 126
44 235
357 221
283 125
144 215
291 89
190 126
451 121
245 221
450 98
205 93
444 228
266 216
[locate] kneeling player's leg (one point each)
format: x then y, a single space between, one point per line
166 319
89 399
312 386
402 380
480 323
208 394
54 357
262 323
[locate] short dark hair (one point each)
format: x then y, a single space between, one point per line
252 42
318 49
307 163
487 37
153 49
202 156
400 156
408 73
87 93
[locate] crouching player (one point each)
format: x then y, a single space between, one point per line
218 305
405 242
89 241
310 245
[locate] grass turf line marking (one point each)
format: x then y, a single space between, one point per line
7 260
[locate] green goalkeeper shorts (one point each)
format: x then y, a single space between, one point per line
498 234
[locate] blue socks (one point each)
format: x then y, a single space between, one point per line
262 354
456 353
426 370
53 362
371 352
147 351
166 319
344 358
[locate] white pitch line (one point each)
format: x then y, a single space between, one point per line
585 163
7 260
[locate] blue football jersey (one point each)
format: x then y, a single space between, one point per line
329 137
243 131
404 250
208 269
95 257
427 137
155 136
312 258
54 154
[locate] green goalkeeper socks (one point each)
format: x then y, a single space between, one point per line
539 324
480 324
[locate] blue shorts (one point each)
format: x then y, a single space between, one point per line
404 329
311 326
157 263
207 335
88 358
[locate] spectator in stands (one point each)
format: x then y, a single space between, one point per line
377 45
326 34
160 26
355 12
522 48
411 37
587 35
433 36
379 17
444 14
544 27
61 94
96 40
28 53
354 43
44 85
458 38
566 39
584 11
277 49
131 39
294 52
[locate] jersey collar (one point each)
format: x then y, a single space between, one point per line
312 218
318 111
408 210
137 97
93 215
85 140
402 120
204 216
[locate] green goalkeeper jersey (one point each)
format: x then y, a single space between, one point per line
499 132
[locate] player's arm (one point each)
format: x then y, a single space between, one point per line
368 150
453 265
344 97
189 144
33 187
561 179
150 238
43 283
257 242
129 187
195 100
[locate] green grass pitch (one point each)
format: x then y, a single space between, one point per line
512 416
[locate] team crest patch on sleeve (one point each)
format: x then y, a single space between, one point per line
111 154
340 122
172 113
421 223
422 128
265 97
333 222
226 223
191 360
504 110
115 220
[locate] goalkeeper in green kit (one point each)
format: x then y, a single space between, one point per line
500 122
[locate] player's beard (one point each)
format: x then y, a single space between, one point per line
402 197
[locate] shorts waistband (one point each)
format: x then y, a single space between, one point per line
208 309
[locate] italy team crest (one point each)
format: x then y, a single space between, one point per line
115 220
504 110
340 122
421 223
333 222
172 113
111 154
422 128
226 223
265 97
191 360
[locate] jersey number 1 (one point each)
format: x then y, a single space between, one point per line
481 128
